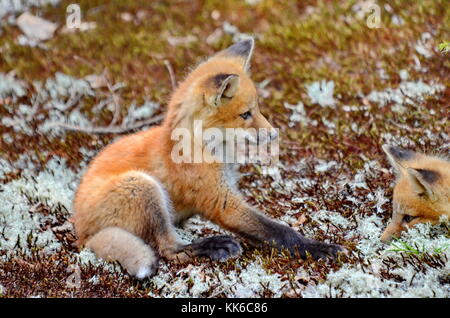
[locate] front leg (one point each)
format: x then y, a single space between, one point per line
217 248
258 229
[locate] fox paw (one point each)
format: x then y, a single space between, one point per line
216 248
298 245
321 250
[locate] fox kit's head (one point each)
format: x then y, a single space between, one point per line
422 190
220 94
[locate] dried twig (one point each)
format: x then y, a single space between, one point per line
115 99
79 58
114 96
109 129
98 107
173 81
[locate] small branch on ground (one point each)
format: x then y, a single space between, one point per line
173 81
110 129
114 97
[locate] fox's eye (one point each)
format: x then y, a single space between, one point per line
246 115
408 218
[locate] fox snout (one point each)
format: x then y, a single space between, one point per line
258 136
260 121
265 131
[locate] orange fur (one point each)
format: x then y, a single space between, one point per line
133 183
420 199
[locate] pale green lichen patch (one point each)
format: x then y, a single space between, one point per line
336 88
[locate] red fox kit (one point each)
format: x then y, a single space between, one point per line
422 190
133 191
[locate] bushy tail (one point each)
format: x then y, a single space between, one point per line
116 244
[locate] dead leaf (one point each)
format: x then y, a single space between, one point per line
126 16
35 27
66 226
97 81
302 219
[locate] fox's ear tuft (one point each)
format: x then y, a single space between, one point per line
243 50
226 86
397 155
422 180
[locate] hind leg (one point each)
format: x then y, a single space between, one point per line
137 204
146 194
116 244
129 223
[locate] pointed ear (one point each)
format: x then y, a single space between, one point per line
422 180
225 87
398 156
241 50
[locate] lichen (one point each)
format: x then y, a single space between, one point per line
333 183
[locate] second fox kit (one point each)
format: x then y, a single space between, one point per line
422 190
132 191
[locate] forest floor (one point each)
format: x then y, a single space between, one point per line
337 90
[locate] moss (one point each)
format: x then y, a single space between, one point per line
298 42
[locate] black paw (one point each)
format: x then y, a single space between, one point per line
216 247
321 250
300 246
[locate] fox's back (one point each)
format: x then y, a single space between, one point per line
140 151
